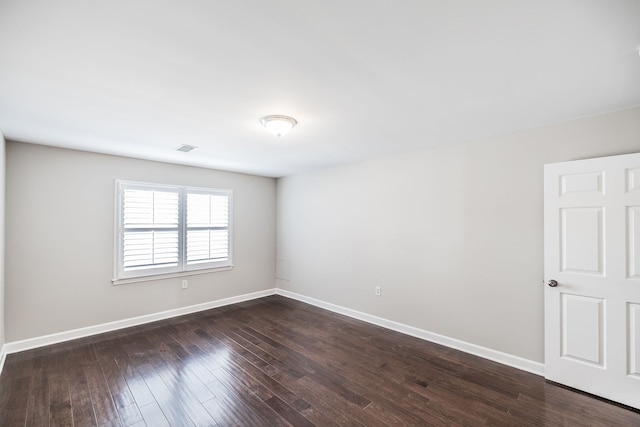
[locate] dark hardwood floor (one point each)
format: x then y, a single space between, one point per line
279 362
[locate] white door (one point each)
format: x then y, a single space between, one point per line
592 252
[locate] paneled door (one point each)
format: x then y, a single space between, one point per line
592 276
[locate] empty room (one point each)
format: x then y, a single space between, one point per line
330 213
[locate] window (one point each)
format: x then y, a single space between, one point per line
171 229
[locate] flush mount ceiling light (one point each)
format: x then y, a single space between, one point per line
277 124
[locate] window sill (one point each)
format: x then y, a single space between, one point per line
169 275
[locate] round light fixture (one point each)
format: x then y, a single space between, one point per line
278 124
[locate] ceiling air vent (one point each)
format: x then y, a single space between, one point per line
186 148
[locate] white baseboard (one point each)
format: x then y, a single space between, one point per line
3 356
487 353
17 346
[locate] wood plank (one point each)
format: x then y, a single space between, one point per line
38 405
130 370
279 362
232 408
59 401
15 400
153 415
179 382
101 397
81 405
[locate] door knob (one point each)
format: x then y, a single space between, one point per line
552 283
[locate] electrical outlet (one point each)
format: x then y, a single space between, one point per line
378 291
185 284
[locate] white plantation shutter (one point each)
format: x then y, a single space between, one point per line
207 228
150 235
168 229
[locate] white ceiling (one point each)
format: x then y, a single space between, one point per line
364 78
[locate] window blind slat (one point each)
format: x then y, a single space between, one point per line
151 207
150 248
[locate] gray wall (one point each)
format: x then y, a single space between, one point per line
60 240
453 235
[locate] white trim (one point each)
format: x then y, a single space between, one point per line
123 275
117 282
28 344
486 353
3 356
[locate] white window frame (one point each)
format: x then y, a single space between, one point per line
122 276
